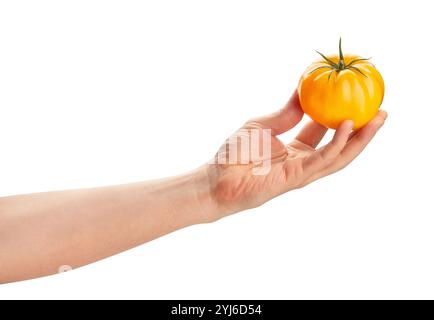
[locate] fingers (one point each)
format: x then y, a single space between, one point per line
282 120
381 113
358 141
362 137
311 134
322 157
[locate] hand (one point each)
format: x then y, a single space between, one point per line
234 184
42 233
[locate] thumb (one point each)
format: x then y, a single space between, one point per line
282 120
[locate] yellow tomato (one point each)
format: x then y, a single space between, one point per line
341 87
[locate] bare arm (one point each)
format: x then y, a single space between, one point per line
39 233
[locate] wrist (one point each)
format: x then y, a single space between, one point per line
206 208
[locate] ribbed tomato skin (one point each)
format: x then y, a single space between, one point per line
331 96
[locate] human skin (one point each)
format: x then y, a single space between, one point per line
41 232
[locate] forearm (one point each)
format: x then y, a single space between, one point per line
39 233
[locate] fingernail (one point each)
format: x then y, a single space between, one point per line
383 114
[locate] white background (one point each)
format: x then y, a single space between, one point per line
105 92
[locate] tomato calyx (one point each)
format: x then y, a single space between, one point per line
340 65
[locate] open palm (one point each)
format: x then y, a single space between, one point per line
239 179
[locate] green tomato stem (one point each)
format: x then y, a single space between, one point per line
336 67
